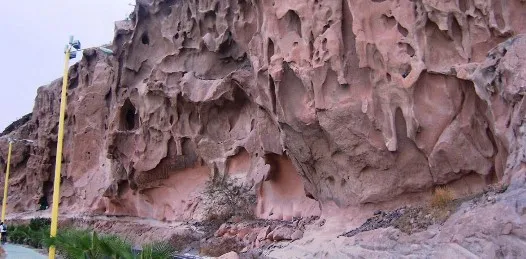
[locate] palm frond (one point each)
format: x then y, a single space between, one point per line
116 247
158 250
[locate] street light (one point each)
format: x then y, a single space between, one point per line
74 46
8 166
10 140
70 52
6 181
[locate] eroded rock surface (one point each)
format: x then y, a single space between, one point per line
356 104
487 229
490 226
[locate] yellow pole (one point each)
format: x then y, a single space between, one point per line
6 183
58 161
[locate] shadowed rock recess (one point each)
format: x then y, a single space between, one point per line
325 108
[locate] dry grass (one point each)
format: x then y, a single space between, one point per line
225 197
497 187
442 198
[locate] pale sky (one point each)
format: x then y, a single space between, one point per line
32 38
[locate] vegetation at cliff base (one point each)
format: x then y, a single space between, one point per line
34 234
85 244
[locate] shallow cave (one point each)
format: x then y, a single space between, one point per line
291 22
47 191
145 39
129 117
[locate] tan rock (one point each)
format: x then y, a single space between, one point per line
229 255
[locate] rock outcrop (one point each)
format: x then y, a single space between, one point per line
493 228
354 104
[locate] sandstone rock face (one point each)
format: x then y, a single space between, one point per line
487 230
352 102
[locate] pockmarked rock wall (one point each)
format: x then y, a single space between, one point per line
352 103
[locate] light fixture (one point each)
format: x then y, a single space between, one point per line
70 52
6 181
74 46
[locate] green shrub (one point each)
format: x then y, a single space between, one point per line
74 243
26 235
39 223
157 250
18 234
116 246
37 237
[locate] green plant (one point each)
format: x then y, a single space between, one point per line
36 238
157 250
115 247
28 235
74 243
32 234
39 223
18 234
84 244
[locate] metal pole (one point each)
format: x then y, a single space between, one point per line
58 161
6 183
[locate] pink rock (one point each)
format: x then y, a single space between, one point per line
243 232
312 104
223 229
508 227
282 233
251 237
263 233
298 234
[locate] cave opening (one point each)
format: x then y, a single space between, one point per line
129 117
270 50
47 190
145 39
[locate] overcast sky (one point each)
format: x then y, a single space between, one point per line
32 38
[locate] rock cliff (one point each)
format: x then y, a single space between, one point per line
322 106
